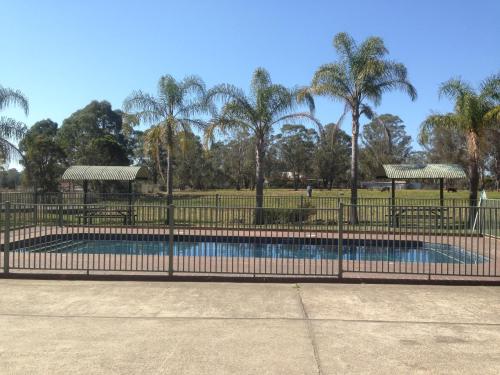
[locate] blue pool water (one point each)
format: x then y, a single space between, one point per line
406 252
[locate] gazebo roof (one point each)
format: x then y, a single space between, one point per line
102 173
423 171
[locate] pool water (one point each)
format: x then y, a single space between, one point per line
406 252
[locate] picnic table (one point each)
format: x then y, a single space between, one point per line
414 214
98 212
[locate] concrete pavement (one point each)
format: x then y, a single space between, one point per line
90 327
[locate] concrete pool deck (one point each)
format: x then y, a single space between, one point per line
105 327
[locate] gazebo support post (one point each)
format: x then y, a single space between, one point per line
85 191
129 213
393 202
441 192
441 200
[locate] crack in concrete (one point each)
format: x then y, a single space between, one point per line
367 321
310 331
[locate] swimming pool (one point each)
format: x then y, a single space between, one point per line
402 251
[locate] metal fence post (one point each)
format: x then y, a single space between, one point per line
35 208
60 199
6 238
217 204
170 239
301 216
341 244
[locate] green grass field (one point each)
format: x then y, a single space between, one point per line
235 208
363 193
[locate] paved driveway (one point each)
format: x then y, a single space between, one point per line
88 327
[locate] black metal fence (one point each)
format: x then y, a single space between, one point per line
428 240
222 200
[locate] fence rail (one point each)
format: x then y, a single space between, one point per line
428 240
223 200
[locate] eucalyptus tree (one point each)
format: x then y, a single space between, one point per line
10 129
266 105
170 112
359 78
331 158
475 111
296 145
384 141
94 135
43 159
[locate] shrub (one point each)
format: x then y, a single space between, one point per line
288 215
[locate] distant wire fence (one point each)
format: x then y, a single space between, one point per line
222 238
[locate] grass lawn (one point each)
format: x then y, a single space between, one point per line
363 193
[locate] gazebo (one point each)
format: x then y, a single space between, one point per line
86 173
423 172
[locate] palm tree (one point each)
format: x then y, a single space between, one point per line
360 76
154 139
267 105
10 128
170 112
474 112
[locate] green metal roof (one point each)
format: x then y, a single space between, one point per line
423 171
101 173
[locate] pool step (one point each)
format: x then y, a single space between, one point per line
55 246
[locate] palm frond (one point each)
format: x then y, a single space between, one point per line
260 80
10 128
276 100
492 117
188 122
9 151
392 76
193 85
367 111
299 117
332 80
303 95
225 92
223 126
373 48
10 97
148 108
455 89
345 45
447 121
490 88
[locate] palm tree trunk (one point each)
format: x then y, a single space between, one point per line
473 150
259 179
170 177
354 168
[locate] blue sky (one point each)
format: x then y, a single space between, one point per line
63 54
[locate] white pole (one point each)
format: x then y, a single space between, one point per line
482 197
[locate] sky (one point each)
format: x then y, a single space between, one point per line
64 54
